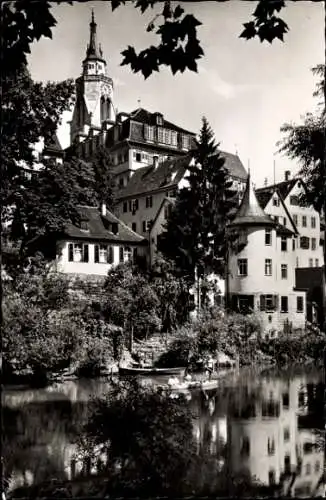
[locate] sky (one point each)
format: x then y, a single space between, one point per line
246 89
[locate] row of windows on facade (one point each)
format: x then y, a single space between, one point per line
245 443
146 226
245 451
304 242
166 136
269 303
243 268
103 254
279 219
133 205
268 268
92 66
304 220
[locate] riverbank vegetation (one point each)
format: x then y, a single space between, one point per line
241 338
48 328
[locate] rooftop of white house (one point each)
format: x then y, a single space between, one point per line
96 226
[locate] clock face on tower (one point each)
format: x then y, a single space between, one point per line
106 90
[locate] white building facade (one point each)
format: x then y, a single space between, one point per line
261 268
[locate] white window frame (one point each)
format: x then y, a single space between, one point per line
242 263
268 267
284 271
78 250
268 235
174 138
300 310
160 135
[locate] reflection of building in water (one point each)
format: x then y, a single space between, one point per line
264 439
210 428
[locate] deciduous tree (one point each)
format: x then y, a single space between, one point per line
306 143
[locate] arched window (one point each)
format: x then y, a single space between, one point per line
103 109
81 114
108 109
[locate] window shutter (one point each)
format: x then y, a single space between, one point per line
85 253
234 302
70 252
96 253
262 303
135 254
136 204
110 255
276 302
121 254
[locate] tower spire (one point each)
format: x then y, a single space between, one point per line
250 212
93 49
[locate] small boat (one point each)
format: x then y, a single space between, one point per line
146 370
182 387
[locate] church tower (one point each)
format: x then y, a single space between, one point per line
94 93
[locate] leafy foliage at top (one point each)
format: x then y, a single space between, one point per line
266 24
306 143
179 48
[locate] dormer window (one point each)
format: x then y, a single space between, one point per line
84 225
159 119
115 227
185 141
149 132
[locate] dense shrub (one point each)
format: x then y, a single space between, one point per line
148 437
234 335
43 333
289 348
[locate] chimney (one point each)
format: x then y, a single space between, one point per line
103 209
287 175
265 181
155 161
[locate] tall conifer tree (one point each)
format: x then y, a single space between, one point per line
195 231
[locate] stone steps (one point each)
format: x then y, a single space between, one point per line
152 348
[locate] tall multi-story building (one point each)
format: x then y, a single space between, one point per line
145 202
282 202
261 267
131 139
94 93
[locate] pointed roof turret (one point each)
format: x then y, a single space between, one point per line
250 212
94 50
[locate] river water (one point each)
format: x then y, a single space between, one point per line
265 423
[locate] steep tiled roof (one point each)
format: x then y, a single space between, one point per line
143 116
147 179
99 227
265 193
234 165
263 197
170 173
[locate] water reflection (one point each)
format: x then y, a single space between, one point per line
267 426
